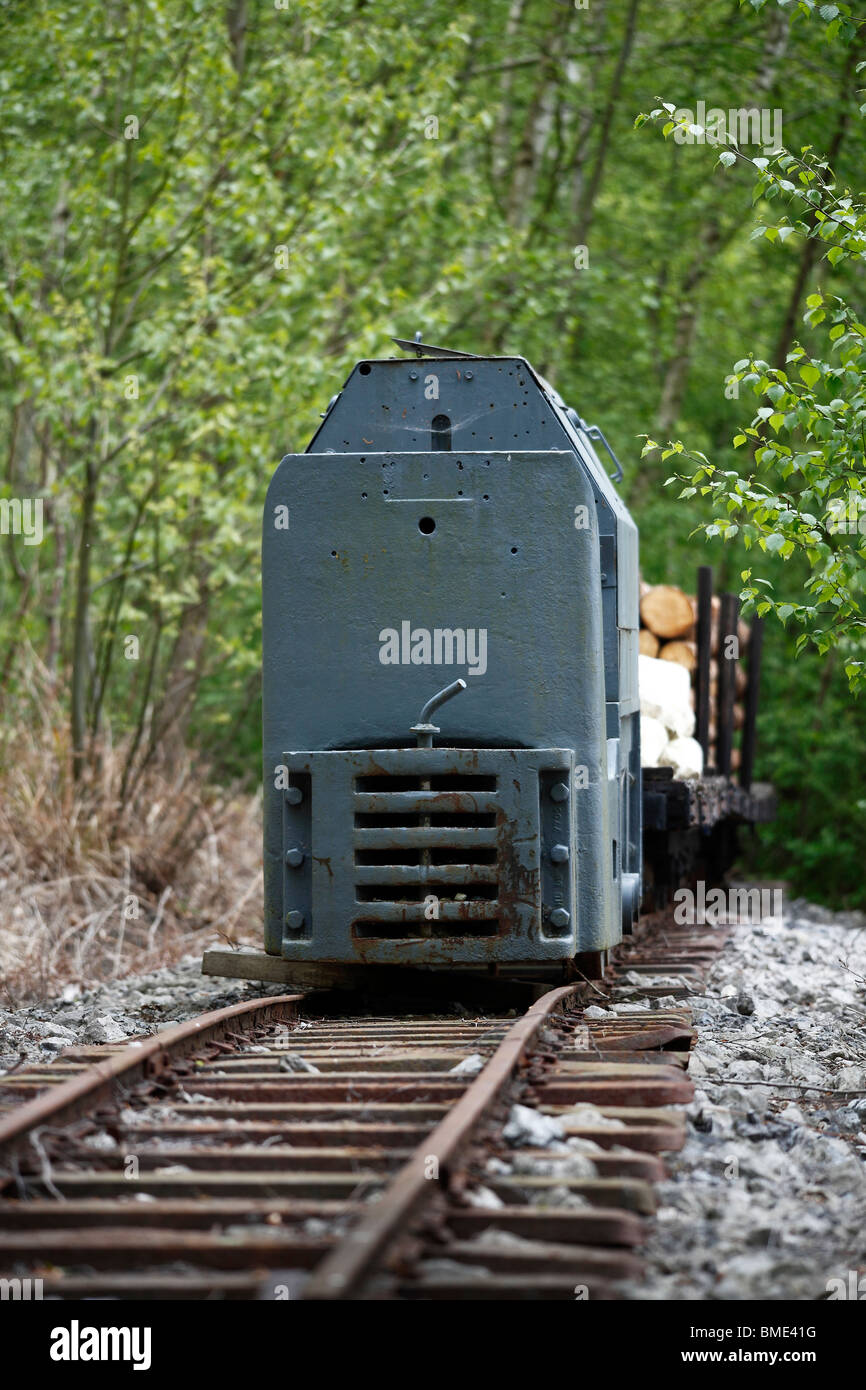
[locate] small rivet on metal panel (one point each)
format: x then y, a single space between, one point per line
413 376
559 791
559 917
468 376
295 857
294 796
294 920
559 854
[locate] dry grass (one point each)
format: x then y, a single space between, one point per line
91 889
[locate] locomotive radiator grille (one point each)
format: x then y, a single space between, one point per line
426 854
434 852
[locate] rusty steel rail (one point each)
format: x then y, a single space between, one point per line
66 1100
426 1237
343 1271
301 1153
253 1154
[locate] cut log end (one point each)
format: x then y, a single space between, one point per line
685 653
666 611
648 643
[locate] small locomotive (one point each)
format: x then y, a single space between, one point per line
450 545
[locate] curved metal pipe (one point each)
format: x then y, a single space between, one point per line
424 730
447 694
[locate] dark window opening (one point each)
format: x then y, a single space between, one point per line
440 432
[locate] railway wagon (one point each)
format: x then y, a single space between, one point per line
451 718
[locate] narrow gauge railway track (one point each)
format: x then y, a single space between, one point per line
261 1151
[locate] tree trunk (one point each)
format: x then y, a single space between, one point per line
587 211
677 370
181 683
81 624
813 246
712 242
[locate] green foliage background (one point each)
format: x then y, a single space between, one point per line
211 213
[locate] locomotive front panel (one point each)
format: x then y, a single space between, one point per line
386 577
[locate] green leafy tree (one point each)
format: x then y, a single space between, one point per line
805 495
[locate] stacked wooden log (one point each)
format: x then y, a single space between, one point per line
668 634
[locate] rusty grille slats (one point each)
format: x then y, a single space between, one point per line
454 913
434 875
425 837
425 803
428 855
383 830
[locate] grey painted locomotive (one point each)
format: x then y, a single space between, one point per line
450 531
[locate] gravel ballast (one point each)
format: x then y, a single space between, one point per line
768 1198
109 1013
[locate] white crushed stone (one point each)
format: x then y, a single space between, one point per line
484 1198
531 1128
590 1117
470 1066
497 1167
293 1061
768 1198
56 1043
557 1197
314 1226
105 1029
583 1146
635 977
494 1238
566 1165
100 1142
